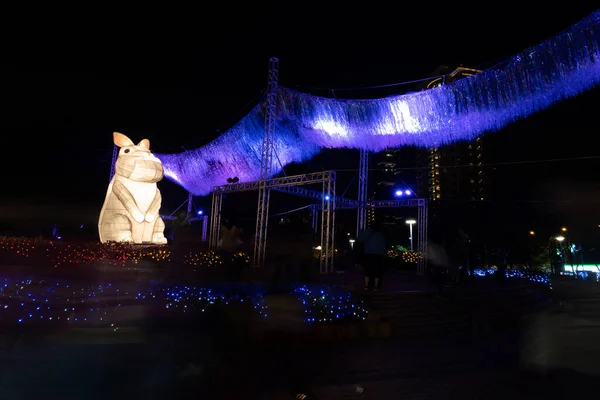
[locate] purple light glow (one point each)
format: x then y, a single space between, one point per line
529 82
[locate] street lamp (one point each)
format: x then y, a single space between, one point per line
410 223
559 239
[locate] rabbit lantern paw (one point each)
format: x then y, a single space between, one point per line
138 216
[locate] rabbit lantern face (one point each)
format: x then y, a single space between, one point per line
136 162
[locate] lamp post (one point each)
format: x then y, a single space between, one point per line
559 239
410 223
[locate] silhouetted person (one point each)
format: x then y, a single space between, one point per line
372 242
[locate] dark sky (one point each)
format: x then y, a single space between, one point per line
71 77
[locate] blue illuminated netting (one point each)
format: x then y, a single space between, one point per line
61 302
326 304
533 80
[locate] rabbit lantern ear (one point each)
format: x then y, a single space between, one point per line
121 140
145 143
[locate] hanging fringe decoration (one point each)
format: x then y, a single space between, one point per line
236 153
529 82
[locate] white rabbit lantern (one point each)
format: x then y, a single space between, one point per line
132 203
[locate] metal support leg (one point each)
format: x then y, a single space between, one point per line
262 222
204 227
190 204
215 223
328 226
363 178
266 165
314 216
422 222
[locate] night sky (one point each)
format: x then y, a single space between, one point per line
178 77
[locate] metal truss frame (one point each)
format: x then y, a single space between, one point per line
215 220
422 221
328 204
314 194
266 167
279 183
363 181
204 227
327 208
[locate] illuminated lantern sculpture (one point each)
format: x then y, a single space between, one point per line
131 208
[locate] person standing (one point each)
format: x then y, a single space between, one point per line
372 242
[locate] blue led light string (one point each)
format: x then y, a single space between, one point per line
326 305
61 303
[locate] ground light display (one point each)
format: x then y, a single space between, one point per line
533 80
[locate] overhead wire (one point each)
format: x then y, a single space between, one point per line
495 64
290 211
496 164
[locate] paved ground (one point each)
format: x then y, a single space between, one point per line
215 358
392 282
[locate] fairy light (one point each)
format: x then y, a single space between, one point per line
62 303
23 247
324 305
411 257
207 259
59 303
187 299
535 277
113 254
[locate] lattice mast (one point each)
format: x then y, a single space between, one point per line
363 179
422 235
266 167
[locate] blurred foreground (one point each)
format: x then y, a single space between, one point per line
135 339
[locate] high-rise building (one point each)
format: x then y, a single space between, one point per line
387 178
453 171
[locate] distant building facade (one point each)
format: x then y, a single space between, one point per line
453 171
384 176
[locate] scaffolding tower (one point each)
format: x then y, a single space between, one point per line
363 181
266 167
